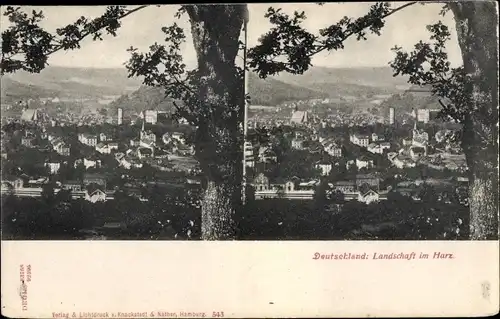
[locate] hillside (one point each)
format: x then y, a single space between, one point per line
144 98
348 81
12 91
407 101
69 82
273 92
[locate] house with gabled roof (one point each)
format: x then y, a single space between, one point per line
367 194
95 193
12 182
261 182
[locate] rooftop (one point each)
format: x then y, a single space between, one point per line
344 183
29 115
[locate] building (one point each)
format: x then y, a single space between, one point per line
287 186
391 116
179 137
343 186
12 183
148 136
426 115
368 195
378 148
135 142
333 149
113 146
73 186
299 117
182 121
128 162
151 116
360 140
88 139
325 168
106 148
266 155
27 141
62 149
91 163
401 161
30 115
98 179
119 120
385 146
102 148
103 137
248 154
94 194
298 143
369 179
308 186
53 167
261 182
143 152
364 163
249 162
248 150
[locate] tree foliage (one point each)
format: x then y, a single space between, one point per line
27 46
289 47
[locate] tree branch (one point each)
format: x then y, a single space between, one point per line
349 34
26 37
129 12
289 40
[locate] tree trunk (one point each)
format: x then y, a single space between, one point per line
477 24
216 30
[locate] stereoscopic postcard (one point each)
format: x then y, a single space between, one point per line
250 160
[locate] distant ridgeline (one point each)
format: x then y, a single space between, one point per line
59 82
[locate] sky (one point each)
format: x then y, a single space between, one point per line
143 28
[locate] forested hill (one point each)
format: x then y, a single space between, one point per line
144 98
273 92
